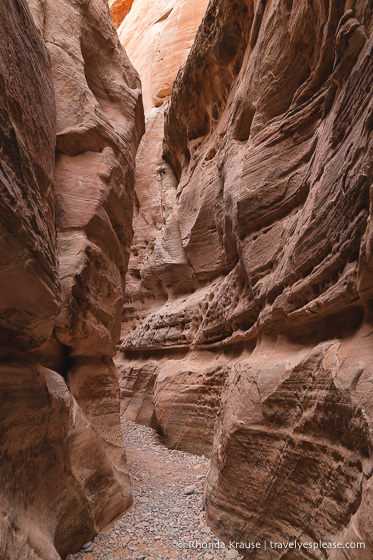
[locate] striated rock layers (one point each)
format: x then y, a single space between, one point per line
256 282
70 121
157 38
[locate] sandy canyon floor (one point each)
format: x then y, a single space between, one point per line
166 520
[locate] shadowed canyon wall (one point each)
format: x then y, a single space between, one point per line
245 323
71 120
247 329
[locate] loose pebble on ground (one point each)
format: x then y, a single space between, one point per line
167 513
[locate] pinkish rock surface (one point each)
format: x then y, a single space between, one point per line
71 120
261 255
157 37
247 324
29 290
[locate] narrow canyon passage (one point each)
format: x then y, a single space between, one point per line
186 240
167 519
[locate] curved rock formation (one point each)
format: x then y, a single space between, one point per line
157 38
66 233
262 257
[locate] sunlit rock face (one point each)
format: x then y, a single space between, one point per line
157 37
119 9
71 120
260 267
99 125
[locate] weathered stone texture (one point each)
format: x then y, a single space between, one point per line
99 125
66 231
29 290
96 146
186 399
137 390
157 37
263 256
58 486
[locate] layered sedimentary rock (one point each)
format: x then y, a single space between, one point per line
58 484
263 258
30 290
96 146
71 119
157 38
179 395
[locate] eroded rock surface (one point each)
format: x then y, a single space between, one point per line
157 38
262 256
71 120
168 513
96 146
30 289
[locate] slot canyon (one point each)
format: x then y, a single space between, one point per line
186 279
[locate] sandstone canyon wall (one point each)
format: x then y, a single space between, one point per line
249 332
71 120
157 37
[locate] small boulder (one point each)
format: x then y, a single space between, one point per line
87 547
189 490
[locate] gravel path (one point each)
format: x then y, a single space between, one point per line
167 513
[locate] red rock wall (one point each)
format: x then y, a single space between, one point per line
261 264
157 37
119 10
71 120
